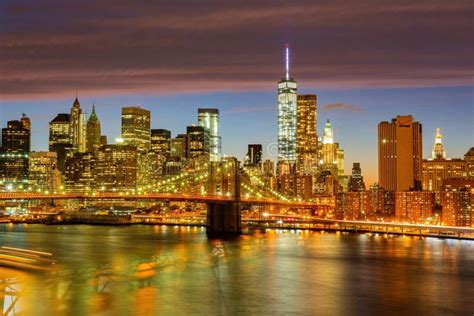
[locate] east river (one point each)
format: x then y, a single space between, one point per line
163 270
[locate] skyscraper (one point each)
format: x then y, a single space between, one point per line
16 144
79 172
438 148
44 174
93 132
306 135
287 117
254 154
60 138
136 127
329 151
209 119
356 181
400 154
161 142
77 121
198 141
116 168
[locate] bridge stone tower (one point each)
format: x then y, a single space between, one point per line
224 217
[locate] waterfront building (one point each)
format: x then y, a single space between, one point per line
79 172
457 202
415 206
161 142
93 133
457 207
198 141
353 205
44 174
136 128
356 181
77 127
14 153
287 115
209 119
469 158
400 154
60 138
306 135
116 168
254 154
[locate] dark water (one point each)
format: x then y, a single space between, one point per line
158 270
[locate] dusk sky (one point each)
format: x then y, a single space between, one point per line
366 60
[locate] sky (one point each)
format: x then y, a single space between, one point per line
367 61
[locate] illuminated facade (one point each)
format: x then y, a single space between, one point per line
198 141
93 132
435 171
150 167
400 154
44 174
457 207
161 142
209 119
414 206
353 205
116 168
136 128
14 153
287 116
60 138
178 147
306 135
79 173
469 158
77 128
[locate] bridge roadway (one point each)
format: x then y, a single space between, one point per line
5 196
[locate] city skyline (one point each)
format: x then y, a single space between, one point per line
206 157
455 137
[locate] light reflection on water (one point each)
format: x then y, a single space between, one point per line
151 270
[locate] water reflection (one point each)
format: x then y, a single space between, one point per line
151 270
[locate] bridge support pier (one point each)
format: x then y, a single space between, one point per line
223 218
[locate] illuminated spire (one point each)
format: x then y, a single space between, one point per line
287 61
328 133
438 148
438 136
